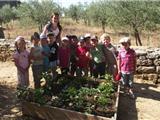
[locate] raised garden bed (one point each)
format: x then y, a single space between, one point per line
70 98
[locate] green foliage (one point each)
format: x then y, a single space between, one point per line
38 12
77 93
7 14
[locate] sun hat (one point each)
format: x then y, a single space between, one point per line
65 39
87 35
81 39
125 40
94 37
43 36
19 38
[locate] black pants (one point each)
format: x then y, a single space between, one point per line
99 69
64 71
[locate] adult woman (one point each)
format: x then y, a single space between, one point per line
54 26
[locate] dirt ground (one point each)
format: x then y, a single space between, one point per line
146 106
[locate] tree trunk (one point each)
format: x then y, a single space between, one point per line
103 26
137 37
40 28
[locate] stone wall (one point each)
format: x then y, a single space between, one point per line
148 64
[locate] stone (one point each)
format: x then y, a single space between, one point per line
158 69
140 52
152 77
145 69
147 62
157 62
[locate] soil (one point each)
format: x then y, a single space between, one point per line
144 107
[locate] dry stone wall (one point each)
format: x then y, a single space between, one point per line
148 64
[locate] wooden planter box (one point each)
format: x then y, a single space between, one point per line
53 113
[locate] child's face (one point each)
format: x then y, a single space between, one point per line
35 41
21 44
106 41
44 42
82 44
55 19
94 42
51 39
125 45
65 42
74 41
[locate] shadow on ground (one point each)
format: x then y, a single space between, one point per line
127 107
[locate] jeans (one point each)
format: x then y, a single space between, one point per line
127 79
37 74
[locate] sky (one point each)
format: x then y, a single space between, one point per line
67 3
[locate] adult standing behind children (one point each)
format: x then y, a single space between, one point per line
21 60
127 64
36 57
54 26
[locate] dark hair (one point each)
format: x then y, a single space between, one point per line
35 36
57 14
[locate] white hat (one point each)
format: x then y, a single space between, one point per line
19 38
87 35
65 38
43 36
125 40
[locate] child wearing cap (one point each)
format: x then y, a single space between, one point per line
53 58
98 56
64 56
21 60
36 57
82 55
73 48
127 64
45 51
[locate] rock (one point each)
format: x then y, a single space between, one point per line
140 52
145 69
147 62
151 77
157 62
158 69
153 55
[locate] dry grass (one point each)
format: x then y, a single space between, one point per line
70 27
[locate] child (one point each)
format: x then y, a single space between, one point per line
111 52
53 58
127 64
98 55
73 47
21 59
106 40
82 54
36 59
64 56
45 52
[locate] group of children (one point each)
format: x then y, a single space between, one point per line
83 56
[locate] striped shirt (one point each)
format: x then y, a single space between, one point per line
127 60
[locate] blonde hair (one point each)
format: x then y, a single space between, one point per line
104 36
